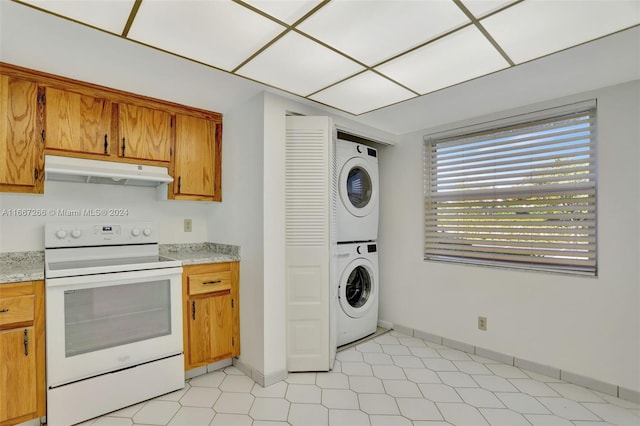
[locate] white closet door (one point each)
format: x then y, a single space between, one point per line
310 242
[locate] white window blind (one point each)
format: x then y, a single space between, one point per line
522 194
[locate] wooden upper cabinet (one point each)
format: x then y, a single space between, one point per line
46 114
197 158
20 138
77 122
145 133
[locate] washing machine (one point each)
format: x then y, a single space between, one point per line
357 267
358 188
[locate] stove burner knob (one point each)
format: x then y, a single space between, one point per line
146 232
61 234
135 232
76 233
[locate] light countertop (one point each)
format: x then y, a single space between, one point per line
29 265
21 266
195 254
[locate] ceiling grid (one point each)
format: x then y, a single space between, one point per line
356 56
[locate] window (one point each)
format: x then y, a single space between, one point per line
519 192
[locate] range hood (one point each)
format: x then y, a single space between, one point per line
69 169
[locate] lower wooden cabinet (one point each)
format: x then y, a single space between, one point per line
22 355
211 313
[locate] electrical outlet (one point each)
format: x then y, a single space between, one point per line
482 323
187 225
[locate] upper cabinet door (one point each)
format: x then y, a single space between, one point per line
20 140
145 133
197 159
77 123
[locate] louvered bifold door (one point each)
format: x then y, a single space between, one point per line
308 243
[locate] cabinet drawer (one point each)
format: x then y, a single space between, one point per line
210 282
16 310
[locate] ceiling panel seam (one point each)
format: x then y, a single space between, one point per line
132 16
279 36
484 32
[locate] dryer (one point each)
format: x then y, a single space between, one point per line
357 267
357 201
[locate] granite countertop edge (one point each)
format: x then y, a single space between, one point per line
21 266
29 265
200 253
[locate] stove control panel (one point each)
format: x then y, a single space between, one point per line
99 234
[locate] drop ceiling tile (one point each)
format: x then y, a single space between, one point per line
216 32
461 56
362 93
374 30
532 29
299 65
107 15
481 8
288 11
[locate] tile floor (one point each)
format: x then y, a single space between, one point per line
392 379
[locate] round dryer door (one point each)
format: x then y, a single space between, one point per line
357 187
357 289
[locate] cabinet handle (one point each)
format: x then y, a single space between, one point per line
36 174
123 146
3 310
212 282
26 342
43 135
193 309
179 183
106 144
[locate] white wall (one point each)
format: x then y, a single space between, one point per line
588 326
26 233
237 219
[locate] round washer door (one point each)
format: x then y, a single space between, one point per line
358 187
358 288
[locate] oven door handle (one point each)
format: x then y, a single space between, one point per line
116 278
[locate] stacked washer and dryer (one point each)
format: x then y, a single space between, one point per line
357 210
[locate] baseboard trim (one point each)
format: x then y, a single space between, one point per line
557 373
259 377
274 378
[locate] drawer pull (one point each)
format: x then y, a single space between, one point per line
26 342
212 282
3 310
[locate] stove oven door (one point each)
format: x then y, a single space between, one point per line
107 322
